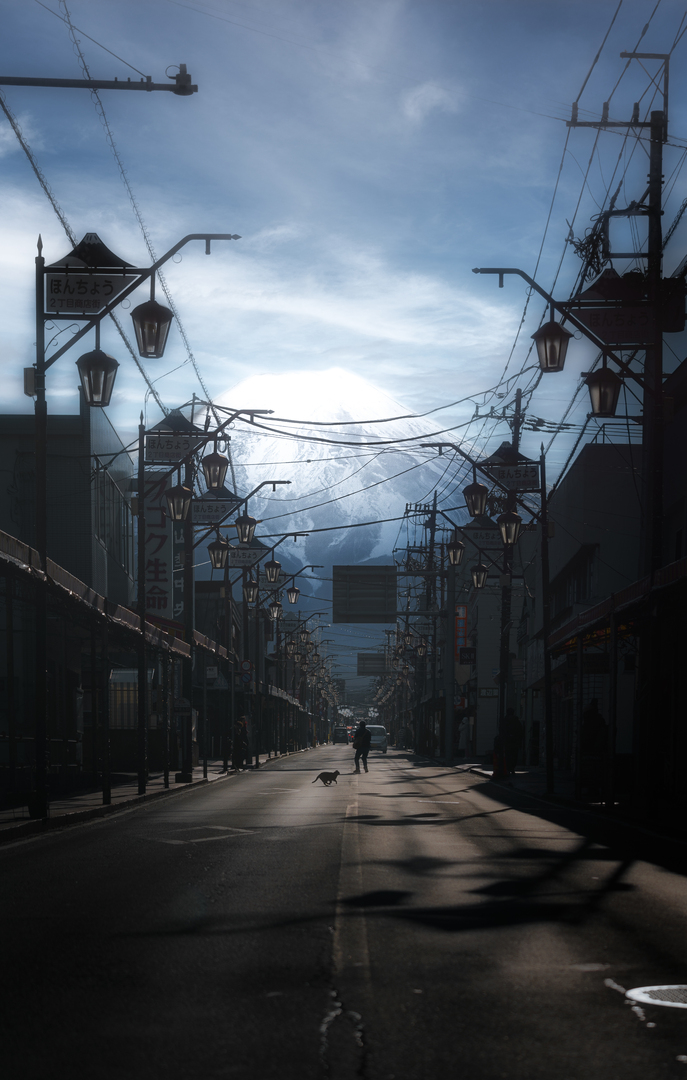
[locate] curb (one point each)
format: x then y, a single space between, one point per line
37 827
556 803
22 829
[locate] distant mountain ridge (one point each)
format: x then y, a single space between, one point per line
332 484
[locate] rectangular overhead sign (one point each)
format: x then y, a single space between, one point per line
83 293
364 594
212 511
517 477
168 448
487 539
619 326
371 664
244 556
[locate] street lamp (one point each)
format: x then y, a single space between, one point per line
293 593
551 340
480 574
272 571
421 648
245 527
178 501
455 551
215 470
275 610
475 496
604 390
218 551
250 591
97 372
151 326
510 524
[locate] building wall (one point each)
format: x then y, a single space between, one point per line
89 524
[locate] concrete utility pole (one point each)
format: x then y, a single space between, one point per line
506 590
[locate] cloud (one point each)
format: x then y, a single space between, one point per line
421 100
9 143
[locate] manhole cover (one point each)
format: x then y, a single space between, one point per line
674 996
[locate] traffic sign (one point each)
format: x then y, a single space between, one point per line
245 678
245 665
83 293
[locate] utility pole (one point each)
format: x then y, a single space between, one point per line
546 627
506 597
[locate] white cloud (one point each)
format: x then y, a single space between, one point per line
421 100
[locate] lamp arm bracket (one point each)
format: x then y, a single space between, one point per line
563 308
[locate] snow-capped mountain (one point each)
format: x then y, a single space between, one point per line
327 435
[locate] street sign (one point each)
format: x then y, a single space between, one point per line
245 665
489 539
82 293
619 326
210 511
245 677
243 556
168 448
364 594
516 477
371 664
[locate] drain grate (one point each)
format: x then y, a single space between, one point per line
673 996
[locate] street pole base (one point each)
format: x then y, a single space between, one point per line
183 778
38 806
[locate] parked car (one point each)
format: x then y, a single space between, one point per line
380 739
340 734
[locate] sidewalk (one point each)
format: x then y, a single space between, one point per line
531 779
86 805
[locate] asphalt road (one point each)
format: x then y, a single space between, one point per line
411 923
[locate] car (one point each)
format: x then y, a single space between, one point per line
340 734
380 739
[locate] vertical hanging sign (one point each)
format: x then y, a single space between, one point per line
161 595
461 628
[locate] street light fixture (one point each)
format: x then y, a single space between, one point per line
551 340
476 496
218 551
245 527
455 551
510 524
215 470
604 391
178 501
421 648
151 326
272 571
275 610
293 593
250 591
480 574
97 372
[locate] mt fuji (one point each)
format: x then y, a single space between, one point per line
328 436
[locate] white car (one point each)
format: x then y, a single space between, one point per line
379 739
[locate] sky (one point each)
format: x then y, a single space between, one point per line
369 153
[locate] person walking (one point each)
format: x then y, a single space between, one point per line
239 744
361 745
